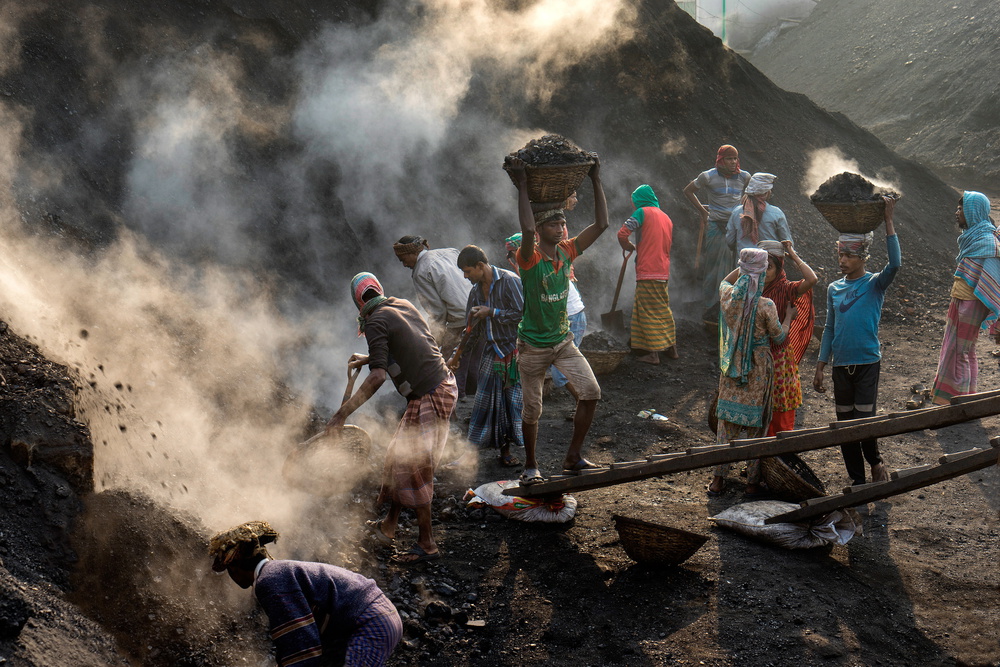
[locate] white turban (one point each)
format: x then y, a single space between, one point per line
760 183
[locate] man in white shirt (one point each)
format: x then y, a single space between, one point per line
442 292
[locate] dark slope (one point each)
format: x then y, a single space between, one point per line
919 74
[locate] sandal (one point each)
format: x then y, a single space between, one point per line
580 466
531 476
508 460
420 556
375 528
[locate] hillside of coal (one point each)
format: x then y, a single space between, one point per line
908 71
227 133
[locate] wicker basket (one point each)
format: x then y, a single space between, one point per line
322 463
602 362
654 544
789 476
553 183
853 217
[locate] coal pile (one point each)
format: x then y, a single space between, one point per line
848 187
552 150
601 341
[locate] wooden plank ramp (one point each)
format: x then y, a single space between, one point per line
950 466
962 409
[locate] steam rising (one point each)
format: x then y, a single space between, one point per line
825 163
191 350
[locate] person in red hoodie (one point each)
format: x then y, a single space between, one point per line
652 320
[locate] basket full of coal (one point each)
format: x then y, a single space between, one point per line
555 167
851 203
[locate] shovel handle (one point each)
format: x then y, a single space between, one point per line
621 277
352 375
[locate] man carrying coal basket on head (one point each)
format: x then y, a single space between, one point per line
851 343
401 347
544 336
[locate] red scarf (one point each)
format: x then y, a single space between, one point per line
753 211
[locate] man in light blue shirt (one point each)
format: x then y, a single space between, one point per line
755 219
850 340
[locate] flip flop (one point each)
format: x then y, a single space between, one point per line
421 556
375 528
531 476
713 494
509 461
580 466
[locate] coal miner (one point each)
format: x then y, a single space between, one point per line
723 186
494 309
400 346
544 336
850 340
652 320
442 292
975 298
756 219
318 614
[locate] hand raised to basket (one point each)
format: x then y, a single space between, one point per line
595 170
515 166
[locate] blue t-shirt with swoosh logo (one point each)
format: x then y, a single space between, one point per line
853 313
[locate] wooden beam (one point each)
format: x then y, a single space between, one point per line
867 493
802 441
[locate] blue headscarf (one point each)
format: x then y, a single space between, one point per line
980 238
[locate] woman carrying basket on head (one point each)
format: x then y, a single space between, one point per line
747 379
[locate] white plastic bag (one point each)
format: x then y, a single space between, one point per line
837 527
548 510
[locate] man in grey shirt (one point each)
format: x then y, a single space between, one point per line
442 292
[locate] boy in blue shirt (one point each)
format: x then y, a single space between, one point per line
853 313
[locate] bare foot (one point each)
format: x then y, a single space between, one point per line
671 352
651 358
880 473
717 486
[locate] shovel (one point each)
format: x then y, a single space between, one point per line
614 322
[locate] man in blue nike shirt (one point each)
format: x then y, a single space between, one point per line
850 338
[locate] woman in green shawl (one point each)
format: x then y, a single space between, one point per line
747 370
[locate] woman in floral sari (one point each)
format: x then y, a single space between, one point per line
747 378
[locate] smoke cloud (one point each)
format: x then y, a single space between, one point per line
198 363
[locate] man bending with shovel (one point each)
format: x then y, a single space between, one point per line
544 336
401 347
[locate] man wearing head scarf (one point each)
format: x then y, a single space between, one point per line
442 292
652 321
850 340
318 614
756 220
544 336
723 186
747 379
400 346
975 299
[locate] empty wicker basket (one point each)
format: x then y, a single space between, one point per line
853 217
554 183
789 476
604 362
654 544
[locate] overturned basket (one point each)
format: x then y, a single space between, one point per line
852 217
604 362
553 183
789 476
654 544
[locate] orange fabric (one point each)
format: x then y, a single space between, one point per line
781 421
